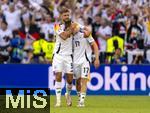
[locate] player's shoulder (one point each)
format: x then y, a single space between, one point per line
61 24
58 27
90 38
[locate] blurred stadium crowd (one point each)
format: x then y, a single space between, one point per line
121 29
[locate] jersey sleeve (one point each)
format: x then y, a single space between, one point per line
90 39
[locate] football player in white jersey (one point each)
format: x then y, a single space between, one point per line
63 60
83 44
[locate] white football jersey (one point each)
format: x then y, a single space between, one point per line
82 48
105 31
13 19
63 47
3 35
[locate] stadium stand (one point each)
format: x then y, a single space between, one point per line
24 24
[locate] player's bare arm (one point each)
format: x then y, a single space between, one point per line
96 53
70 30
66 34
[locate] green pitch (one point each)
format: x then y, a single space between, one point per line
105 104
94 104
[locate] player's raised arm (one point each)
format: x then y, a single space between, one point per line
96 53
87 34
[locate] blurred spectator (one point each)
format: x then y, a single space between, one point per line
17 44
95 26
119 26
139 59
48 48
38 53
29 32
47 27
5 37
43 49
117 57
147 29
114 23
5 34
4 6
134 33
78 16
37 1
126 2
27 56
38 16
113 44
13 17
95 8
104 33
